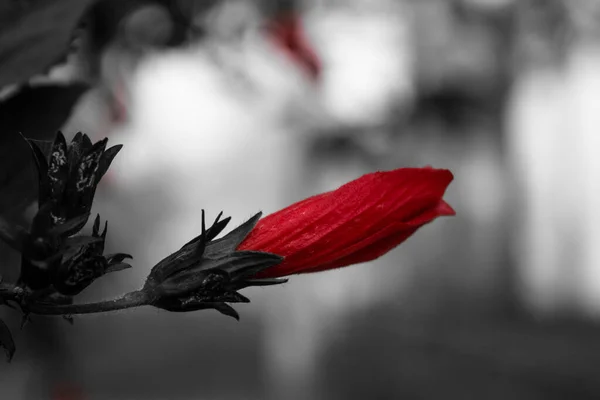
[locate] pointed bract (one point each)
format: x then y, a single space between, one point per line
116 267
189 254
81 268
207 273
86 144
117 257
232 240
81 186
74 151
44 145
67 177
107 158
217 226
58 168
175 305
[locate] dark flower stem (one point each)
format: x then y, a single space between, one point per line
129 300
134 299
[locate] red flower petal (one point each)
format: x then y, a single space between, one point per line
360 221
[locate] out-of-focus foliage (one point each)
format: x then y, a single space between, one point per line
34 35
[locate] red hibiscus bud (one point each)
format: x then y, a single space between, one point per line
360 221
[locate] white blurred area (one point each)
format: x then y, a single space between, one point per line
363 76
553 138
231 124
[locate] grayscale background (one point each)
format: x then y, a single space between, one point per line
500 302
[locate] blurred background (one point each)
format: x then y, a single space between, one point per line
258 104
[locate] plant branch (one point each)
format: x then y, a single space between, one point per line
129 300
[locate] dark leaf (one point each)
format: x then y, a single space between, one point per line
6 341
35 34
69 319
40 156
41 164
50 104
18 175
13 235
44 145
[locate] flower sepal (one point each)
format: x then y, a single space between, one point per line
69 176
207 272
196 304
87 264
229 271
